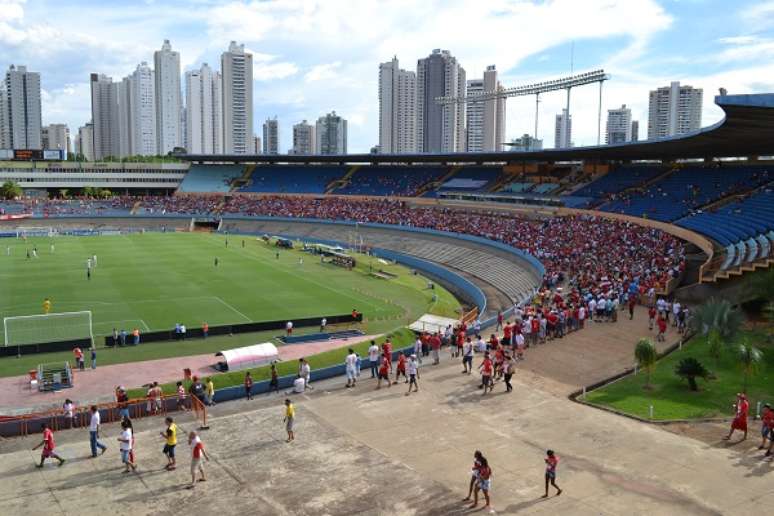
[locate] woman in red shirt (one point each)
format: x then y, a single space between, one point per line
740 421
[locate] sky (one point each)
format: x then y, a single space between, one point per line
312 57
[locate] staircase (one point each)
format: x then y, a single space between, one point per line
244 180
342 181
504 178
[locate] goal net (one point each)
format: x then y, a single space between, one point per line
34 231
56 327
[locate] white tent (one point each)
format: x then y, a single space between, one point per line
432 323
247 357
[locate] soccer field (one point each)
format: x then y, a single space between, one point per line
152 281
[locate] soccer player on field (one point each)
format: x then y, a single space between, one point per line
46 306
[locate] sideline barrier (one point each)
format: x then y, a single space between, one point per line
228 329
26 424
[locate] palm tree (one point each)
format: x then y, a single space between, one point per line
717 314
750 359
10 190
645 353
689 369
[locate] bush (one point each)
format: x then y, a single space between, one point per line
689 369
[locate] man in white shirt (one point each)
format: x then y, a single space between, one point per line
675 312
323 324
305 372
350 362
373 358
417 350
581 316
481 345
126 446
592 308
412 368
94 432
467 357
289 328
526 330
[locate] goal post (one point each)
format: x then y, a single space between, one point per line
57 327
35 231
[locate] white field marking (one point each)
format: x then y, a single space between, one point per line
305 278
147 328
233 309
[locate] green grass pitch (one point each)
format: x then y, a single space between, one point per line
152 281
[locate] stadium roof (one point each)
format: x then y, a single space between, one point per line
746 130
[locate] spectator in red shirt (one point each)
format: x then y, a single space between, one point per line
48 445
384 373
487 369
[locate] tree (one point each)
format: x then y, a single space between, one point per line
715 342
717 314
689 369
750 359
645 353
10 190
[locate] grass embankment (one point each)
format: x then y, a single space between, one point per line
670 395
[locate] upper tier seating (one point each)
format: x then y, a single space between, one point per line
471 179
390 180
618 180
210 178
687 189
293 178
745 228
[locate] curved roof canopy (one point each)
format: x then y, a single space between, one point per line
248 356
746 130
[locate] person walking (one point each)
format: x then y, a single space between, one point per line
350 363
305 372
126 447
484 483
290 420
274 383
413 372
467 357
740 420
94 425
551 461
248 385
209 391
48 445
197 453
477 456
487 369
384 373
373 358
170 441
509 364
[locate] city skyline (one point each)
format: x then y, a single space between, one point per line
306 69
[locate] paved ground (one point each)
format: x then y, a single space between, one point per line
366 451
94 386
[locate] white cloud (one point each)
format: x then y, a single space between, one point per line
267 71
739 40
322 72
759 16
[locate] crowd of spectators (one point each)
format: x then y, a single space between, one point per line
72 206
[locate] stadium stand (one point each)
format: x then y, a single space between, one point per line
210 178
687 189
620 179
293 178
387 180
470 179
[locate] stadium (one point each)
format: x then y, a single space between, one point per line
196 269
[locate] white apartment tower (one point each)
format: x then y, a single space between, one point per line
397 109
474 117
141 111
237 69
56 137
563 130
169 132
485 120
304 141
20 121
204 119
84 143
619 125
440 128
674 110
331 134
271 136
104 116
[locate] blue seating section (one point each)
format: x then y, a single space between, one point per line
469 179
545 188
210 178
516 187
687 189
619 179
745 228
293 179
390 180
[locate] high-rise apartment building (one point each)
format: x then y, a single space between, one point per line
237 70
474 117
84 143
485 120
304 141
169 132
256 145
635 130
674 110
56 137
619 125
397 109
140 90
440 128
331 134
21 121
271 136
204 111
104 116
563 130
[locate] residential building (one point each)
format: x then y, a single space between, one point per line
56 137
125 112
563 130
169 131
526 143
474 117
104 116
674 110
5 129
237 69
331 134
84 143
21 119
271 136
619 125
397 109
141 111
440 128
635 130
204 111
304 141
256 145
